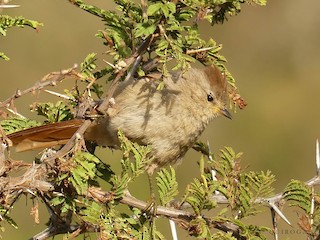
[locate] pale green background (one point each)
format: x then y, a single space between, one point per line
272 51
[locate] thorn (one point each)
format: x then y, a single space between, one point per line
59 95
312 206
214 173
277 210
274 224
29 191
58 194
15 113
209 152
133 68
317 157
9 6
110 64
199 50
173 229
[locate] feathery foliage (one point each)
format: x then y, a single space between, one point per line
167 185
54 112
165 33
15 124
174 26
7 22
298 194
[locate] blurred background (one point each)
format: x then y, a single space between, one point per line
273 53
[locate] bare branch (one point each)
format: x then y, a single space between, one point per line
9 6
171 213
317 157
128 62
50 79
58 94
193 51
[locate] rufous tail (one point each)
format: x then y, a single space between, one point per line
44 136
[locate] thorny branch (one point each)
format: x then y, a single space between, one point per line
34 179
136 56
275 202
51 79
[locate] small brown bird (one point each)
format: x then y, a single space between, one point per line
168 120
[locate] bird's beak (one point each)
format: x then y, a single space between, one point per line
224 111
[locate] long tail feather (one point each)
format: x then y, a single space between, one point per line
44 136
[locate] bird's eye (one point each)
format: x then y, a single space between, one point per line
210 97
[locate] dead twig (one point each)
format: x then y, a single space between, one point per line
127 63
50 79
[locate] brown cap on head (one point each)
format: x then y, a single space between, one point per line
216 78
217 81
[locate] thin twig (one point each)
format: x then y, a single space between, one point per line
9 6
274 224
3 147
171 213
49 80
173 229
128 62
15 113
69 145
312 206
54 230
144 6
317 158
60 95
199 50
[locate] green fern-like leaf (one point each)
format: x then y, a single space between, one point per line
120 184
227 168
17 124
246 231
92 213
135 157
97 89
244 203
167 185
199 228
8 22
223 236
78 180
54 112
126 29
260 183
252 186
65 203
229 158
83 171
141 159
88 65
298 194
198 195
241 189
